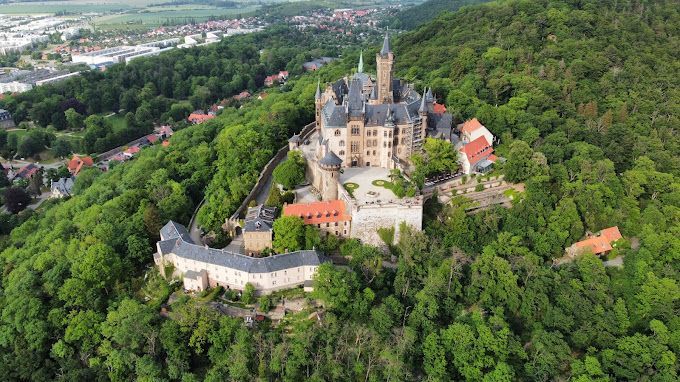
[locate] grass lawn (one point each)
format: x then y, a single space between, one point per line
154 16
350 187
117 121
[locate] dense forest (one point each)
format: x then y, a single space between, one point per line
583 94
412 17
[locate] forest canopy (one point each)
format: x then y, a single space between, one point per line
583 95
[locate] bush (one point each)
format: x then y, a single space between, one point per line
248 295
291 172
265 303
479 187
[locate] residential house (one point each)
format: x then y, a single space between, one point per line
199 117
473 129
316 64
6 120
242 95
61 188
27 171
599 244
77 163
477 156
329 216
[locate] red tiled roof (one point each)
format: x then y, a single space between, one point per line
132 150
439 108
470 125
77 163
597 245
199 118
318 212
152 138
601 243
27 171
612 234
477 150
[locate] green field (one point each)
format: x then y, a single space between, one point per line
158 16
61 6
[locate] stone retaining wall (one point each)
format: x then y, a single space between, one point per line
268 170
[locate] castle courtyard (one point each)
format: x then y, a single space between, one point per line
367 192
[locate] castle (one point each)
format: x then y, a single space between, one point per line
365 127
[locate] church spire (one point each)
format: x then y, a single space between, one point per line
360 68
386 44
318 90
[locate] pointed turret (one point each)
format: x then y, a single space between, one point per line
423 106
389 121
429 94
318 90
386 45
360 68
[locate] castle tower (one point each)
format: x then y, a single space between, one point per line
317 103
385 64
329 168
422 112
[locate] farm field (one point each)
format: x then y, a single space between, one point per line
172 15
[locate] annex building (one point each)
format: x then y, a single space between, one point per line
201 266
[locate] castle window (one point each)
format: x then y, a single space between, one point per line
390 134
368 153
337 133
384 144
368 143
368 133
375 143
385 134
355 147
375 133
373 152
355 131
396 131
342 152
341 143
389 144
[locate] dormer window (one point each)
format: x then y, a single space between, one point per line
337 133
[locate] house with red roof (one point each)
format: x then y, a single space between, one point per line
329 216
438 108
27 172
77 163
242 95
477 156
152 138
199 117
473 129
599 244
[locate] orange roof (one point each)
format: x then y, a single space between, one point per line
477 150
597 245
132 150
318 212
612 234
198 118
77 163
166 143
152 138
471 125
601 243
439 108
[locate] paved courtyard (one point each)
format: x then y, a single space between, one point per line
364 177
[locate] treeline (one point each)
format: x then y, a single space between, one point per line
147 90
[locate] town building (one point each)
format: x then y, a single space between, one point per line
61 188
258 229
77 163
201 267
123 53
330 217
20 81
316 64
6 120
599 244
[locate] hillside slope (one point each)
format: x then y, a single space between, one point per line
413 17
604 75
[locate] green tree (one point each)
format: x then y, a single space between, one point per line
16 199
289 234
292 171
74 120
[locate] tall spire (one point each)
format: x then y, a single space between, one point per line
318 90
423 107
360 68
386 44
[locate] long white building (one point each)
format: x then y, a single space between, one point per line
200 266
